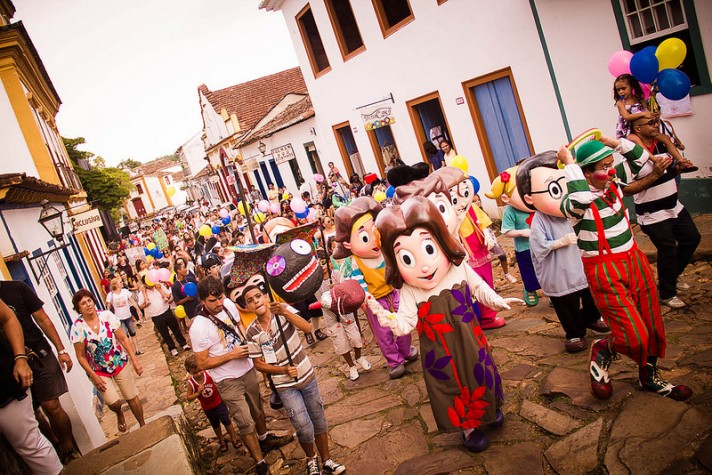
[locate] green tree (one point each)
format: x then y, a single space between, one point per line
107 187
129 163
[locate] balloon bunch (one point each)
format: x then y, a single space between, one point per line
655 67
301 211
152 251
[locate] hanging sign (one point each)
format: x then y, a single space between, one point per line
86 221
283 154
250 164
377 116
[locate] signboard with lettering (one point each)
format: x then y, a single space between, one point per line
86 221
283 154
231 179
250 164
377 116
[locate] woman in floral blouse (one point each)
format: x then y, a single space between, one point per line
104 350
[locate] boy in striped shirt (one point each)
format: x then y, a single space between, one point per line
619 274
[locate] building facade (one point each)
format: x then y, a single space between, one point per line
158 185
501 80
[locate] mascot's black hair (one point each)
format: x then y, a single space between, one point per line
404 174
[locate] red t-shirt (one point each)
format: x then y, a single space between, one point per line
209 397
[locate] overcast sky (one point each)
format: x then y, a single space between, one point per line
128 72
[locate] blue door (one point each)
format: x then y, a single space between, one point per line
503 122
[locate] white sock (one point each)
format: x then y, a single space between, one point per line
263 436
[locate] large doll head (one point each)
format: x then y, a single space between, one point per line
418 248
293 271
504 187
541 184
354 226
435 188
462 191
276 226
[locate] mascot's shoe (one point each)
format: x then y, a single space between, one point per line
397 372
574 345
275 402
413 355
477 441
599 326
531 298
498 419
496 322
649 379
601 357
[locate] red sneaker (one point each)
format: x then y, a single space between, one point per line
601 357
649 379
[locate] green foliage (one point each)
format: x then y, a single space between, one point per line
129 163
171 156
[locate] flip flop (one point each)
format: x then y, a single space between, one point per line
223 446
123 427
531 298
236 444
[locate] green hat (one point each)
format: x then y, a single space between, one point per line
591 152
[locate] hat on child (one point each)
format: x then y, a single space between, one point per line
591 152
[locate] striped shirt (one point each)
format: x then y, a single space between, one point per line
256 337
576 204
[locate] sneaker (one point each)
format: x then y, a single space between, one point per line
413 355
332 467
174 352
353 373
649 379
531 298
262 468
575 345
674 302
599 326
319 335
682 285
363 362
601 357
186 347
477 441
313 467
67 456
510 278
272 442
309 338
396 372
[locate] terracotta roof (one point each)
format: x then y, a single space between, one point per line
28 189
178 176
294 113
251 100
155 166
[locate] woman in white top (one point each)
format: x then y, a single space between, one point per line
157 306
120 301
450 153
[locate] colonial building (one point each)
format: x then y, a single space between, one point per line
48 232
158 185
501 80
199 184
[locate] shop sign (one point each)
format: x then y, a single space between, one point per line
86 221
250 164
377 116
283 154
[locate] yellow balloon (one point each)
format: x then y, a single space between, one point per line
149 258
285 196
180 312
458 161
241 207
205 230
150 246
670 53
148 282
171 190
259 217
379 196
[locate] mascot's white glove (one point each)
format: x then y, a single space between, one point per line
504 304
566 240
385 318
489 239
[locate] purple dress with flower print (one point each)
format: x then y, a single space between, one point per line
461 377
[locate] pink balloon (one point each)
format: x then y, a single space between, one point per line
318 177
311 217
274 208
619 63
263 206
298 205
646 90
153 275
164 275
223 213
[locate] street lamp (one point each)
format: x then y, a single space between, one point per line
262 148
51 220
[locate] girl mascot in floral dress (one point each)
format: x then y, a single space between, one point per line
438 296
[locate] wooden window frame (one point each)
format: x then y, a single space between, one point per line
342 147
440 2
418 124
383 21
336 26
373 140
307 43
479 122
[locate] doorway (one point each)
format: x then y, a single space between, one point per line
313 158
347 146
139 207
429 122
384 148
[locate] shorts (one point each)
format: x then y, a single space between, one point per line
344 335
242 396
217 415
49 382
122 383
129 326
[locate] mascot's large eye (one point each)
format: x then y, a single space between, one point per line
301 247
429 248
276 265
555 190
406 258
364 237
443 207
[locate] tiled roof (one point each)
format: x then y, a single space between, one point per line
251 100
155 166
294 113
28 189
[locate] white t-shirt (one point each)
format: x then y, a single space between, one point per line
205 335
120 301
156 304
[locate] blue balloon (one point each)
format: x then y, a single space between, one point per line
644 66
301 215
226 220
475 184
216 229
190 289
650 49
146 252
159 254
673 84
390 191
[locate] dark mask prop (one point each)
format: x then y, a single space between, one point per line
294 272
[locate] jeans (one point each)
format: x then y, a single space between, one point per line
165 321
676 240
305 410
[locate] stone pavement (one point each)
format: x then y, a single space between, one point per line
553 424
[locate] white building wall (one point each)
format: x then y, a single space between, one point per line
194 151
156 190
14 154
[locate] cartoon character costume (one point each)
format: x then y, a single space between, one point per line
515 223
354 239
438 292
619 274
555 255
